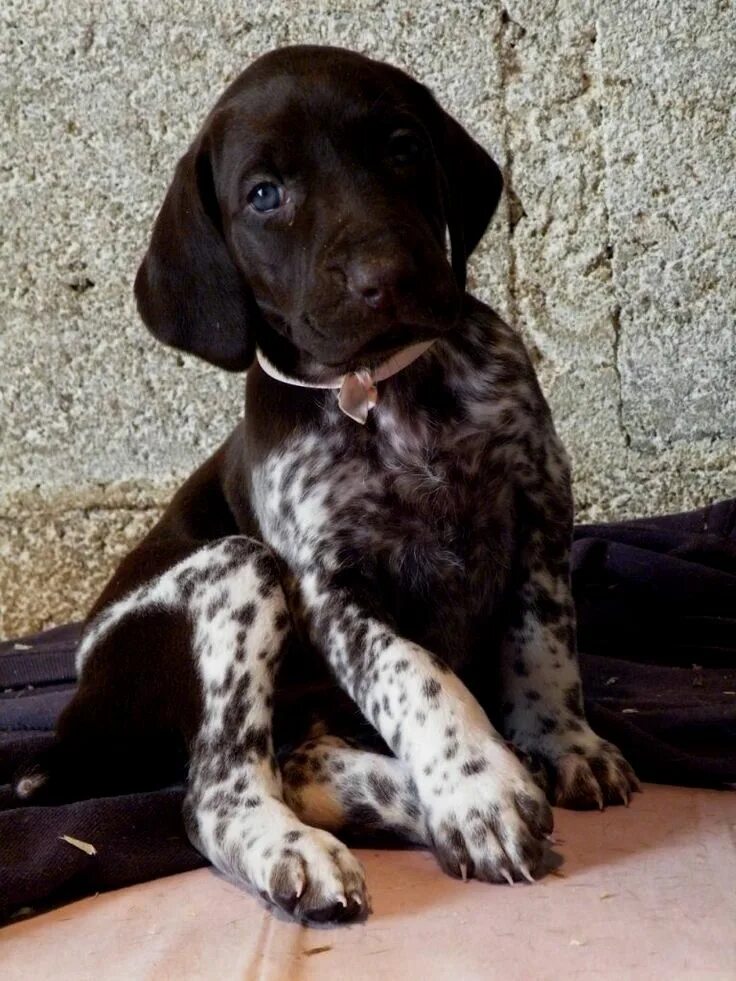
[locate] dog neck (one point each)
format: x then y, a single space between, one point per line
357 389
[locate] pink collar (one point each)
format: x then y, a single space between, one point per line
357 389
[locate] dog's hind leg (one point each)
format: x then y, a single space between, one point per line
332 785
222 616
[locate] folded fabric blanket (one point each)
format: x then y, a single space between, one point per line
656 603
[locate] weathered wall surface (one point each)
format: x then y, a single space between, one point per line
613 250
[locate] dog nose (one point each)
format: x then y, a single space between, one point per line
378 281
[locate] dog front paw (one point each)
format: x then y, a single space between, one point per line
487 820
313 877
303 871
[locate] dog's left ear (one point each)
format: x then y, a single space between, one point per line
190 294
472 187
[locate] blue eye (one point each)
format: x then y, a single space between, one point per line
266 197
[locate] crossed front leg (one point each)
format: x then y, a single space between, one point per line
484 815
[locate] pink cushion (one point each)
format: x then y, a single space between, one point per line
648 892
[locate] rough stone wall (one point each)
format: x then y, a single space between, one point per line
613 250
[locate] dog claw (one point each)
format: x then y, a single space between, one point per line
527 874
507 876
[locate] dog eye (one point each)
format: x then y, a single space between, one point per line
404 147
266 197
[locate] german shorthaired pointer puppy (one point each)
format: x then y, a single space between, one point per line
346 612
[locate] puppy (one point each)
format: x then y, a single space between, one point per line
379 551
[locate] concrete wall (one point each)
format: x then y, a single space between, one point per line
613 250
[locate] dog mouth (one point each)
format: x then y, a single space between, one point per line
379 349
307 363
391 341
383 347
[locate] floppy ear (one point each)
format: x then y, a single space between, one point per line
190 294
473 185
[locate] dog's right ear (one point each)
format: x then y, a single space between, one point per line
190 294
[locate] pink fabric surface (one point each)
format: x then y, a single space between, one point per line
648 892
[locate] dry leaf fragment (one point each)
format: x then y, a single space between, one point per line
607 895
311 951
577 943
22 912
558 873
612 680
83 846
630 711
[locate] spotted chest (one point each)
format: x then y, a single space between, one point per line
417 508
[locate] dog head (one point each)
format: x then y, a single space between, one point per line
325 212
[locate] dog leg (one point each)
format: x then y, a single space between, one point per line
542 693
332 785
484 814
234 809
216 624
